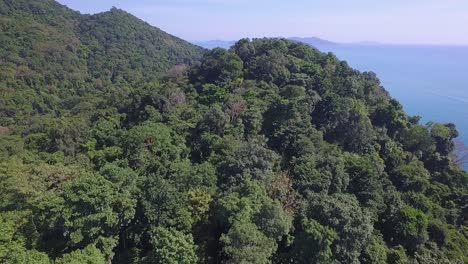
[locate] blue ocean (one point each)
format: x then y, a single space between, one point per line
430 81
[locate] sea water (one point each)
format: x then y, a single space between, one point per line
429 81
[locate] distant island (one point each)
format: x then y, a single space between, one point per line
226 44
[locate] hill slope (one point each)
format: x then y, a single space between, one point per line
122 46
49 51
270 152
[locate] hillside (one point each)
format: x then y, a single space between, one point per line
122 144
49 52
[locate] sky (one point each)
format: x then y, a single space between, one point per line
386 21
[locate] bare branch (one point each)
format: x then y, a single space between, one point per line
460 154
235 109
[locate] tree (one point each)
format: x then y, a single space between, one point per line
322 172
418 141
164 205
13 241
172 247
344 121
177 72
443 136
376 251
219 66
366 180
408 228
212 94
89 254
314 243
397 255
213 121
286 122
251 203
250 160
234 109
93 211
269 66
410 177
438 232
391 116
29 256
151 147
272 220
341 213
244 243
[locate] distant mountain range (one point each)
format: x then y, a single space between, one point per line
313 41
211 44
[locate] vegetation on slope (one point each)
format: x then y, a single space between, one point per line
270 152
54 60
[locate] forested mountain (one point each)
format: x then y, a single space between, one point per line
51 56
122 144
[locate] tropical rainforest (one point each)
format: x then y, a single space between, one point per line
120 143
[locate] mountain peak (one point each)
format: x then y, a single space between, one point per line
103 43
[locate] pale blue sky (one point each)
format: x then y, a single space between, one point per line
388 21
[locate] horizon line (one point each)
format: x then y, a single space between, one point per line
363 42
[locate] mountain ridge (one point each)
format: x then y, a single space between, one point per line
46 42
120 144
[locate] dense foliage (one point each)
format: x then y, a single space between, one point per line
120 143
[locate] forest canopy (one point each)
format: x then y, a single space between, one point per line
120 143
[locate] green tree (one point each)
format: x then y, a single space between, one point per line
14 242
250 160
443 136
376 251
418 141
89 254
323 171
151 147
219 66
244 243
397 255
345 121
408 228
366 180
172 247
251 203
314 243
390 116
164 205
92 211
410 177
341 213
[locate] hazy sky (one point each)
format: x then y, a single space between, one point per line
389 21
